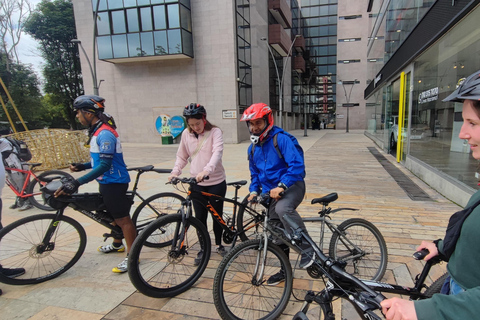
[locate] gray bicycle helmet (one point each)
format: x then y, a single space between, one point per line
467 89
92 104
194 110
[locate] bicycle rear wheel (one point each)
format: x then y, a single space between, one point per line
436 286
21 247
361 245
156 206
169 269
248 219
37 199
237 295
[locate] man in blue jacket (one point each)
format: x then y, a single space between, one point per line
276 166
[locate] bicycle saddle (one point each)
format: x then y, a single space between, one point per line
326 199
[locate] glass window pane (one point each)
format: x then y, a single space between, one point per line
173 16
174 41
101 6
104 47
119 45
147 43
186 3
118 22
157 1
146 16
160 42
132 20
103 23
171 1
130 3
185 18
187 43
143 2
159 17
115 4
133 44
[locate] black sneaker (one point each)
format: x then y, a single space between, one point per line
307 259
276 278
12 272
198 259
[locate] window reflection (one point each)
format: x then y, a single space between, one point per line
173 16
119 46
159 17
174 41
104 46
157 1
185 18
146 16
160 42
103 23
143 2
132 20
133 44
147 43
129 3
115 4
118 22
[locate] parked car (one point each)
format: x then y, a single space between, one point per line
418 130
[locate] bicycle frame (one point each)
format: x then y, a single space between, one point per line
20 193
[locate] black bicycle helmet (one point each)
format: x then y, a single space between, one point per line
194 110
467 89
92 104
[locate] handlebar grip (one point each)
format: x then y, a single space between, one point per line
419 255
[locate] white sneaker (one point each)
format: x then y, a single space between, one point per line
110 248
122 266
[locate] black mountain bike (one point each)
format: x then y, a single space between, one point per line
161 261
240 288
47 245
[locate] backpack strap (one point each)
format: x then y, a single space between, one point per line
275 144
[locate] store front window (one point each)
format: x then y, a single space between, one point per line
435 124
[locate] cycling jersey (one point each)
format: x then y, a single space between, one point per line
105 143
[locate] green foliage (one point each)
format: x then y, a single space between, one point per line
53 25
23 85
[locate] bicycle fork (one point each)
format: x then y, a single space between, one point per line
257 277
47 244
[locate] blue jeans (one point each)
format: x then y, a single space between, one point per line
450 287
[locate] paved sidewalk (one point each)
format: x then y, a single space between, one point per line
336 162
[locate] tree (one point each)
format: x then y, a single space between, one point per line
53 25
13 15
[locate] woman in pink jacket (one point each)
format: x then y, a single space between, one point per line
202 146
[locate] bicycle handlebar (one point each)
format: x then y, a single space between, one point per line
190 181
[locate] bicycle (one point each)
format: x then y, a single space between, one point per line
240 290
161 261
355 241
47 245
33 183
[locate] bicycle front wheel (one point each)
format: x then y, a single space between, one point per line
37 199
248 218
169 268
21 246
237 291
156 206
361 246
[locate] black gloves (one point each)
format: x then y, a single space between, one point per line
77 167
70 187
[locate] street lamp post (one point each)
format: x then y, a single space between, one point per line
343 83
94 76
280 80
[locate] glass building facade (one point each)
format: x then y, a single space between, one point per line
143 28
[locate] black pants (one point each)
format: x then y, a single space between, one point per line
200 205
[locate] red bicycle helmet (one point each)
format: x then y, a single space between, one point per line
195 110
467 89
258 111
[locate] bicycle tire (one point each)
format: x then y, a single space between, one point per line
154 207
436 286
156 271
246 221
18 248
236 296
369 266
37 199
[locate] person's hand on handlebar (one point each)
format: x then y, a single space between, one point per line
430 246
75 167
201 176
67 188
275 193
398 309
172 176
